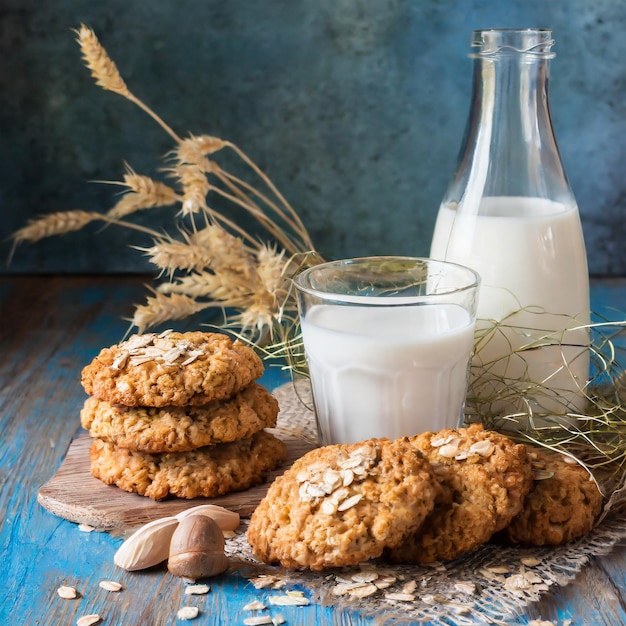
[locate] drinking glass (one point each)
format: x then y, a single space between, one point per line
388 342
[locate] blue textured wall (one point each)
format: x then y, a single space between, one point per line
355 108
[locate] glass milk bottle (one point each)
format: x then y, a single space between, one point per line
510 214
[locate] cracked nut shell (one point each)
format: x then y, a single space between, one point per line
197 548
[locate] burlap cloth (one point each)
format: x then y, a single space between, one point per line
491 585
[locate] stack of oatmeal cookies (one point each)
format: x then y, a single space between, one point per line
180 414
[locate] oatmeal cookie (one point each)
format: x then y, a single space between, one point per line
343 504
206 472
171 369
562 506
484 478
180 429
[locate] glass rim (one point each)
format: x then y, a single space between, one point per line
473 281
531 29
534 42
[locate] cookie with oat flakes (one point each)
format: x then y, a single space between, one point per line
343 504
206 472
171 369
563 504
180 429
484 477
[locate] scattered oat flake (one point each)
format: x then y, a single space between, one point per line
365 577
278 619
530 561
88 620
384 583
409 587
533 577
466 587
197 590
347 588
110 585
350 502
265 580
289 600
86 528
520 582
254 606
441 441
187 612
351 462
489 575
498 569
449 450
482 448
363 591
434 599
329 507
458 608
67 593
402 597
259 620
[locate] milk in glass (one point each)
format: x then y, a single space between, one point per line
387 371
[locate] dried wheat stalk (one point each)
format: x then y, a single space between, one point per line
208 260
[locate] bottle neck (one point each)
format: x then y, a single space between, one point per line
509 147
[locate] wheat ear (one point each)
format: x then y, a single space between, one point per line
162 308
107 76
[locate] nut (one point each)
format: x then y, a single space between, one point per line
197 548
147 546
225 519
150 544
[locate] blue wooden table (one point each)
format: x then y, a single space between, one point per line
49 328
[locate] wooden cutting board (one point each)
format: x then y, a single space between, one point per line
73 494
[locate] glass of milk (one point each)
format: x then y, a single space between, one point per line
388 341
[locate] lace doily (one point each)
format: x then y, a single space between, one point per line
491 585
